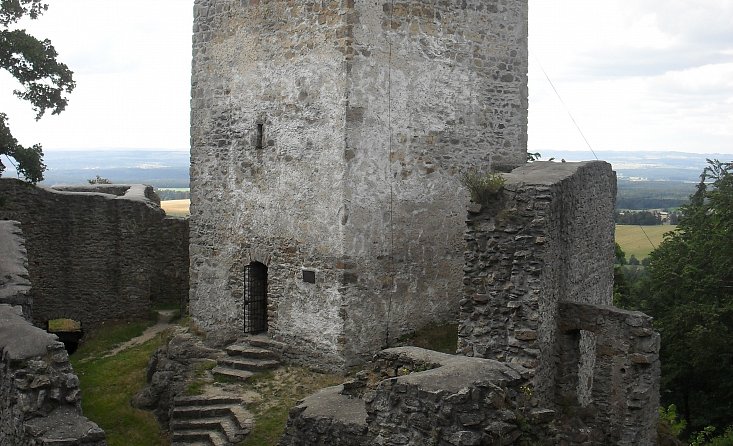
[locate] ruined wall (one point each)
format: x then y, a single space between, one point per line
547 238
623 399
423 398
15 285
329 137
40 402
94 256
537 288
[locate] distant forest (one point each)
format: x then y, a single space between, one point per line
640 195
173 194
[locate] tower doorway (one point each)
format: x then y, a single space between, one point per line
255 298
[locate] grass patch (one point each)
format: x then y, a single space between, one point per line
108 384
107 337
280 391
633 241
441 338
63 325
200 375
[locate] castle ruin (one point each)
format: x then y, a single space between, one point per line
327 143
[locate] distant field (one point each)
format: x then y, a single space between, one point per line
633 241
177 208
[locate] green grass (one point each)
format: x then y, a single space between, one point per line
280 391
633 241
441 338
107 337
108 384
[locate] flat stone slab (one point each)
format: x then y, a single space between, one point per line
330 403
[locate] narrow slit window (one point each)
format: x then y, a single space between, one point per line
260 135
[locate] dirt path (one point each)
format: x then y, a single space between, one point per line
164 322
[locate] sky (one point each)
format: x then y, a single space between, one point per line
636 75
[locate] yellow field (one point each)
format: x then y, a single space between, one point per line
177 208
633 241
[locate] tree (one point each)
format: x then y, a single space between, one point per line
689 292
45 81
99 180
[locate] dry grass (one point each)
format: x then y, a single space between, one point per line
176 208
633 241
56 325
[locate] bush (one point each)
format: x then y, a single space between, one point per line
483 187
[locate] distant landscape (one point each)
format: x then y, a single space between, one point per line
646 180
637 171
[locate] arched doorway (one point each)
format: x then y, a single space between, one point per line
255 298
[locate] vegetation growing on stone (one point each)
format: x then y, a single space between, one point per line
483 186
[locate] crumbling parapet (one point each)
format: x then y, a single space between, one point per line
40 401
538 285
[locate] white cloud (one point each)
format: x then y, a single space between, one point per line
642 75
131 62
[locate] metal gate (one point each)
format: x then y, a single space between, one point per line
255 298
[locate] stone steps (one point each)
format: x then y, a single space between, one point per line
250 365
206 420
248 356
249 351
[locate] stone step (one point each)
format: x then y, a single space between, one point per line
237 414
242 375
224 425
262 341
252 365
189 437
204 400
249 351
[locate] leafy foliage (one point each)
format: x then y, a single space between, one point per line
45 81
689 291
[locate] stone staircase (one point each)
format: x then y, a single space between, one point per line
248 356
209 421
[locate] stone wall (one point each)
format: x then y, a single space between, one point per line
424 398
15 285
40 402
329 137
537 288
96 256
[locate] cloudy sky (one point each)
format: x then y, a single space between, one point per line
637 75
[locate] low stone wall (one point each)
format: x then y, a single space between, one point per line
40 401
624 393
424 398
15 285
97 252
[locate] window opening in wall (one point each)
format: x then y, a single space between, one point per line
309 276
255 298
68 331
260 136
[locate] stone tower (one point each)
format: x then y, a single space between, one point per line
327 142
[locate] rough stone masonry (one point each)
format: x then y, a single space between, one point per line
97 252
327 142
40 400
552 363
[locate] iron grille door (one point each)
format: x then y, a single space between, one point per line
255 298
